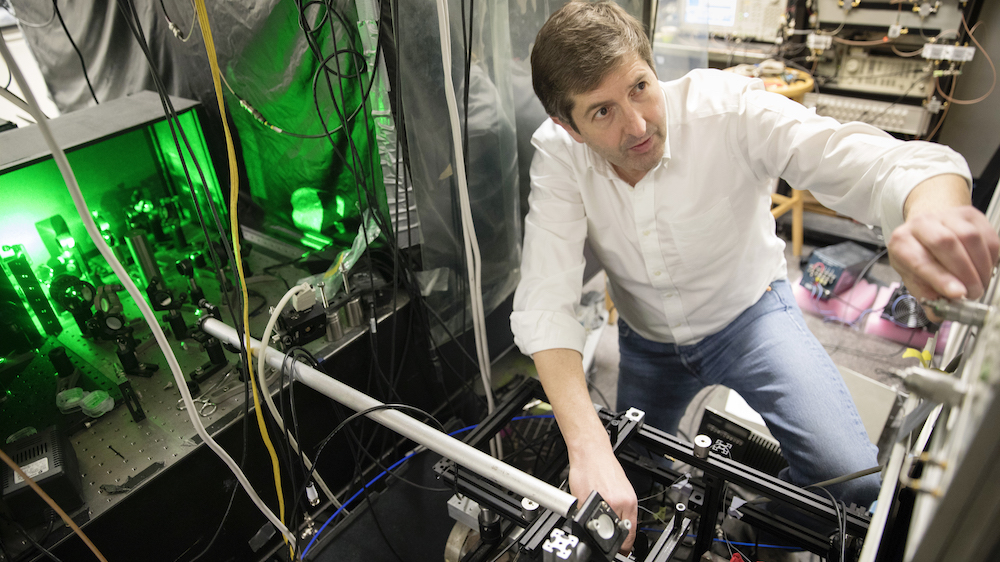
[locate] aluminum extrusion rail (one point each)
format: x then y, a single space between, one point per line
471 458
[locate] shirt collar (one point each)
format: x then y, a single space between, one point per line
601 165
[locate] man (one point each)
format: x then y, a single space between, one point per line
669 182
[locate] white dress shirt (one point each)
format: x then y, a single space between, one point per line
693 244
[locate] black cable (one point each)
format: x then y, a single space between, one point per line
356 415
894 102
300 353
841 520
378 525
288 436
32 540
128 10
367 411
465 290
174 28
357 166
354 439
83 65
132 20
418 304
534 445
259 117
260 307
362 184
297 500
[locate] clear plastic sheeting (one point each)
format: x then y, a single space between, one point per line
491 154
681 37
333 278
266 60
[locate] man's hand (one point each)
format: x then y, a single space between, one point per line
592 463
946 247
602 472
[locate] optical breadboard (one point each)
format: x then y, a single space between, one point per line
894 118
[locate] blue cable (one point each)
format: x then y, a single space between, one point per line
386 471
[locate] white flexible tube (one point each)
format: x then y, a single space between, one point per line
473 259
262 385
59 155
12 98
465 455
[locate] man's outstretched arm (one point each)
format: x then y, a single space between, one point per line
945 247
592 463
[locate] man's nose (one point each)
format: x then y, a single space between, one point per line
635 123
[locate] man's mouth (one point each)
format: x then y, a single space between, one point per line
643 146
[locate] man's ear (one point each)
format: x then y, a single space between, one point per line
569 129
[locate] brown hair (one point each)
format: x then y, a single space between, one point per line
576 49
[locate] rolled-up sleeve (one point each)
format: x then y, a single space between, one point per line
853 168
552 263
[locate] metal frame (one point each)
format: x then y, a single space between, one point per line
705 502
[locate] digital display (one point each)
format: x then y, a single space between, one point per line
720 13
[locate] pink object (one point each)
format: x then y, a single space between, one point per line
846 307
911 337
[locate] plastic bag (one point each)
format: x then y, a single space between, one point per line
334 276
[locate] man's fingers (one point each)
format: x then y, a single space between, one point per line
981 242
922 274
948 262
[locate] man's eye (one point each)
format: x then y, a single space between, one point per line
602 112
640 86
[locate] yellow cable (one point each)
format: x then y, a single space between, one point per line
13 466
234 190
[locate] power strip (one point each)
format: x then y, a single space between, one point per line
894 118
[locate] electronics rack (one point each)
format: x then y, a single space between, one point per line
881 62
874 61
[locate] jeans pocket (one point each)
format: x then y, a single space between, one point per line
623 329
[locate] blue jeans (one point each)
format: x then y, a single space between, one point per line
770 357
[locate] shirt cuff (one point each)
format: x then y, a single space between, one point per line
540 330
904 181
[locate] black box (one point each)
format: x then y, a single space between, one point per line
741 444
47 458
835 269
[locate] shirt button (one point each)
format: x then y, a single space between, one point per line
645 233
657 273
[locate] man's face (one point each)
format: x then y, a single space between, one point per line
623 120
